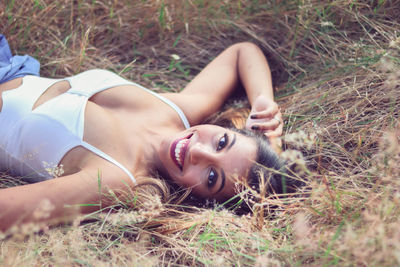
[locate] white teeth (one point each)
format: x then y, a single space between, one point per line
178 151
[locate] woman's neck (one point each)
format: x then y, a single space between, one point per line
147 144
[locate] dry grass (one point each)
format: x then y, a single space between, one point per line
336 68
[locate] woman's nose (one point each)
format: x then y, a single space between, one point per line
199 152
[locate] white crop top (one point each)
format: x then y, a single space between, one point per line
33 142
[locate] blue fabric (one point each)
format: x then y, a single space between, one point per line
12 67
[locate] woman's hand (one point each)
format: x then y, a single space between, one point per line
266 117
242 63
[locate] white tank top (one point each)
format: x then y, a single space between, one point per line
33 142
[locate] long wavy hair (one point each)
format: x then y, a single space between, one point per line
267 176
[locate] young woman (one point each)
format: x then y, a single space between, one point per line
99 135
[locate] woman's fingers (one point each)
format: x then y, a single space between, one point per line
271 128
275 133
271 124
265 117
268 112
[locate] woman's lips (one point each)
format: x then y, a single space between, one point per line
178 150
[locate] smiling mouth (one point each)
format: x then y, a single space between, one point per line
178 150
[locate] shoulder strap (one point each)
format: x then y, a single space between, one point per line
109 158
168 102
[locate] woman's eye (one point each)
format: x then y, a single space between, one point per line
212 178
222 142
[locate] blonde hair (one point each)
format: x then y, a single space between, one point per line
150 187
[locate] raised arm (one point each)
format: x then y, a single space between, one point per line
57 200
242 62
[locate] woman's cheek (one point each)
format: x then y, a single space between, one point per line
191 179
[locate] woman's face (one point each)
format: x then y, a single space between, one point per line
209 159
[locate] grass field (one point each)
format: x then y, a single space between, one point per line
336 71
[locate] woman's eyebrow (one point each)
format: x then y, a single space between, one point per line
222 181
222 170
233 142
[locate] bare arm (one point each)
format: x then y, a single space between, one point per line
56 200
242 62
